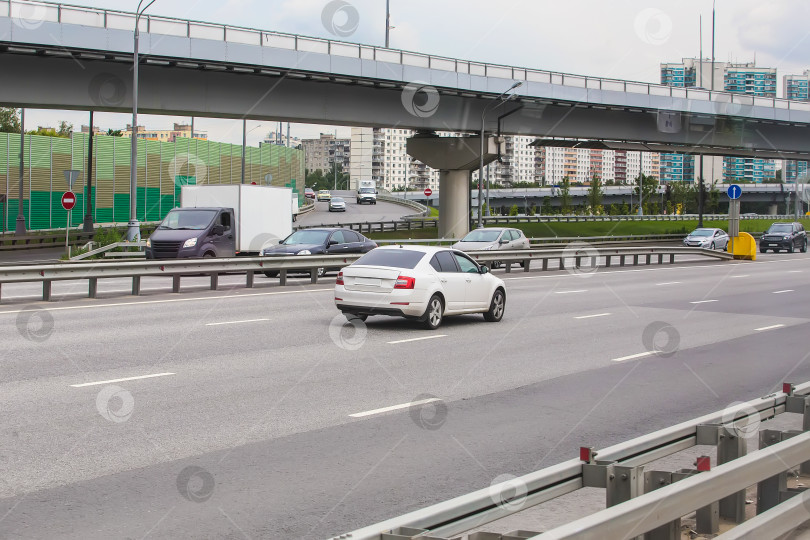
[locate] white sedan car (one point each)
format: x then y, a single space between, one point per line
424 283
707 238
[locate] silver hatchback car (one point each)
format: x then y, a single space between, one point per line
493 238
707 238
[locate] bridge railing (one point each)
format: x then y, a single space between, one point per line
37 10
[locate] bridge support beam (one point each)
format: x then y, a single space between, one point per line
456 158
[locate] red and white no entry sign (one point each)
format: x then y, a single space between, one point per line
68 200
428 192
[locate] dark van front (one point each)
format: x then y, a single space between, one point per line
193 232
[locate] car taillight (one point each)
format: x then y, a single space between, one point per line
405 282
339 280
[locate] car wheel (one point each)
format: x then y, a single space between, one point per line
804 246
209 255
712 246
763 250
434 313
353 317
495 264
496 307
271 273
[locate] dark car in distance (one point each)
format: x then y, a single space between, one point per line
327 240
787 236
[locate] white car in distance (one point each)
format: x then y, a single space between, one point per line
423 283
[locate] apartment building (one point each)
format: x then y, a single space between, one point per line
166 135
796 87
731 77
324 152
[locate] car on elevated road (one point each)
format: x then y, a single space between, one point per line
309 193
324 195
337 204
423 283
787 236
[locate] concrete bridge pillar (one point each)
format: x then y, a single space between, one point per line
772 209
456 158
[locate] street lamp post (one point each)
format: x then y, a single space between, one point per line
481 156
244 144
20 225
134 228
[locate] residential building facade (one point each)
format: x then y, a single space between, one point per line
796 87
166 135
324 152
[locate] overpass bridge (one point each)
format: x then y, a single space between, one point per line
772 194
207 69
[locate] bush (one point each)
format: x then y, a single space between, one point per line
514 210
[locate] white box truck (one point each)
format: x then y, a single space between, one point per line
367 192
223 221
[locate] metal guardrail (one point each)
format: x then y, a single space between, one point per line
177 268
108 247
472 510
423 211
382 226
121 20
654 217
10 242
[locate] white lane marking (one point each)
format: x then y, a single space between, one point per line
702 301
768 327
234 322
659 269
394 407
740 275
122 380
118 304
669 283
570 292
416 339
783 291
632 356
592 316
794 271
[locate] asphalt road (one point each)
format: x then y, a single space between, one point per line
355 213
256 413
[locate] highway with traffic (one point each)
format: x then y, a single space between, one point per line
355 213
262 413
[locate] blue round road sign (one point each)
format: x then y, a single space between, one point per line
734 191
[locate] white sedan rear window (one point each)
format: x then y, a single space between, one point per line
394 258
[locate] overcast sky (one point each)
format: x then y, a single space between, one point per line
625 39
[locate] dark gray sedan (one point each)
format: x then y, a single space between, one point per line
331 241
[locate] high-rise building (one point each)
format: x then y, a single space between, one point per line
280 139
322 153
730 77
796 87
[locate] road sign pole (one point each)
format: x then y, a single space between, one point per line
67 233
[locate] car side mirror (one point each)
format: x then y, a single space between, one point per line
503 241
218 230
333 242
484 269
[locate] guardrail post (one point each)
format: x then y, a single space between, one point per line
508 266
562 263
136 285
607 261
313 275
526 264
214 281
660 258
672 530
649 259
92 286
282 277
249 278
707 518
730 446
621 260
46 290
624 483
635 260
577 262
671 258
176 283
773 490
800 405
545 264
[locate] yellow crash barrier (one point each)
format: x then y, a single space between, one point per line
743 247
